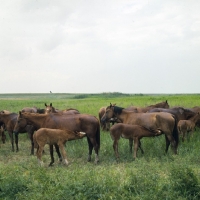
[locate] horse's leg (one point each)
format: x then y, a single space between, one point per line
58 152
64 154
39 155
115 147
51 154
11 139
136 142
16 142
171 140
167 143
131 145
94 145
90 148
30 134
140 146
183 136
3 137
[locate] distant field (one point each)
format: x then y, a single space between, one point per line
153 175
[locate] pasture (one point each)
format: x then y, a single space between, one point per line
152 175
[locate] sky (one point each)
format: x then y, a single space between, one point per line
96 46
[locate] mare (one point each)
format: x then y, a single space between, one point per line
54 136
186 127
135 109
9 120
131 132
51 109
79 122
165 122
179 112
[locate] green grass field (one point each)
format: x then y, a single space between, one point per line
153 175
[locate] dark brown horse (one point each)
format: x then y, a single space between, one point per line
165 122
79 122
135 109
131 132
51 109
179 112
9 120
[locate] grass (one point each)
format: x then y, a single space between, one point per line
153 175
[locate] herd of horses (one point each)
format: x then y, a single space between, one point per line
55 127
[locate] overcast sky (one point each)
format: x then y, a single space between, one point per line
94 46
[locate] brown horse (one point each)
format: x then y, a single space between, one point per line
51 109
131 132
186 127
9 120
165 122
135 109
54 136
79 122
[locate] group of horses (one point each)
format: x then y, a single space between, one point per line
154 120
55 127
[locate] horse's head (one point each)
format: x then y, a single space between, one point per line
165 104
20 123
109 113
49 109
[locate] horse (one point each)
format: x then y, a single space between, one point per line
135 109
79 122
180 112
186 127
9 120
51 109
131 132
45 136
165 122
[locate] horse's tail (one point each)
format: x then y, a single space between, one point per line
35 141
175 133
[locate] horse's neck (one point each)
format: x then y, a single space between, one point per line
123 115
195 118
36 120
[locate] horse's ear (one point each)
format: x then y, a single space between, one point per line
51 104
20 113
45 104
110 105
166 101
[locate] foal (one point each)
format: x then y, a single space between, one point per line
55 137
131 132
186 127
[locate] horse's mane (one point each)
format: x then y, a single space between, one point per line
118 110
